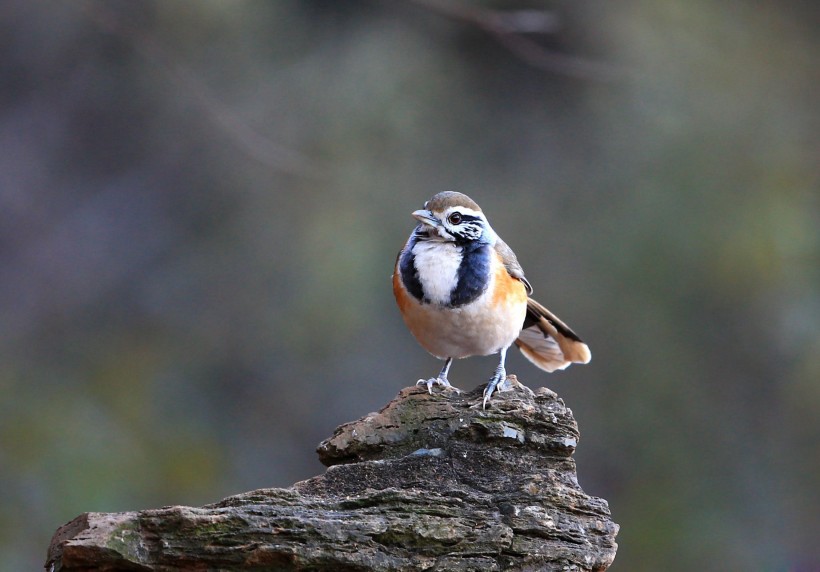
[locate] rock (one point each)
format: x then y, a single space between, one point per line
430 482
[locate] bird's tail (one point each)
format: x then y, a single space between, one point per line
548 342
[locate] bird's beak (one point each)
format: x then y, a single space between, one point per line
426 217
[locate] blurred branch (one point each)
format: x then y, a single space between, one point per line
255 144
510 29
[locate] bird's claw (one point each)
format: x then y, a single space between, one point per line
498 381
442 381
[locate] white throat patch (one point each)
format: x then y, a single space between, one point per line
437 266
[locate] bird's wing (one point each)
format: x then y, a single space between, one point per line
548 342
511 263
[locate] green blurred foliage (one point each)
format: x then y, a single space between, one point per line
201 202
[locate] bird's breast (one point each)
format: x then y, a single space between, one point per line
437 267
446 273
488 322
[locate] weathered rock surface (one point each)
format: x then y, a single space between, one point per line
431 482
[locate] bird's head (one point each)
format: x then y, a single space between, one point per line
453 217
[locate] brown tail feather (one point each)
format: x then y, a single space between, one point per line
548 342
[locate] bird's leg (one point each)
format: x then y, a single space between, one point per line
498 377
440 380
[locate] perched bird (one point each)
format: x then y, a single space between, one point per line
462 292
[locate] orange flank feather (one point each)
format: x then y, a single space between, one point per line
401 294
508 291
418 318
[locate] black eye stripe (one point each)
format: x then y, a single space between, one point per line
464 218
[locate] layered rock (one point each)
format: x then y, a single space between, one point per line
430 482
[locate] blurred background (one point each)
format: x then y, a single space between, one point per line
201 202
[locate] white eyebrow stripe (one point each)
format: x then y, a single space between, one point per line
465 211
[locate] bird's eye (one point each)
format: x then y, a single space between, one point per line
454 218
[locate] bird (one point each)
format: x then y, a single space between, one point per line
462 292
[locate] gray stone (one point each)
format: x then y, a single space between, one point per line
430 482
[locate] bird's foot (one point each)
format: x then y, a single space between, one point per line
442 381
498 381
